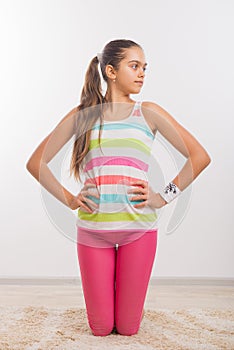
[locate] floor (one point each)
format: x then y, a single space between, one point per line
158 296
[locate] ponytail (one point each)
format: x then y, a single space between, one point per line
92 100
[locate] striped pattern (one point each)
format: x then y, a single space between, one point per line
123 157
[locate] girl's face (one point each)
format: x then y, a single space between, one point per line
131 71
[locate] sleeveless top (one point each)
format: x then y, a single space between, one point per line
123 157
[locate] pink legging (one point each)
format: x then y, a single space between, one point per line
115 282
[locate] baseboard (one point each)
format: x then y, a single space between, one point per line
203 281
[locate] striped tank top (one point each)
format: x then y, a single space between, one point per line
123 157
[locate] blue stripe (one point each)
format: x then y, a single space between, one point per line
116 198
119 125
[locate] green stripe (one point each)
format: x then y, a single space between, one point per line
126 142
111 217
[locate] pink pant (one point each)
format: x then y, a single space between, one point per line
115 282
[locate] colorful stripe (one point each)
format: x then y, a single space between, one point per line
113 217
110 198
120 160
120 126
120 143
111 179
122 156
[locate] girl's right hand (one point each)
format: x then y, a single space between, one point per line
82 201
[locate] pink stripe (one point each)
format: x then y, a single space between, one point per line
128 161
137 113
109 238
84 230
111 179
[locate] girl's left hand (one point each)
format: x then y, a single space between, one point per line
144 192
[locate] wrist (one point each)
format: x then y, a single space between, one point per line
170 192
69 199
157 201
161 200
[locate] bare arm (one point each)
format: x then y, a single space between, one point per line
47 149
183 141
197 157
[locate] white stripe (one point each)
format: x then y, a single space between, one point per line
117 152
118 225
120 170
122 133
118 188
124 207
141 121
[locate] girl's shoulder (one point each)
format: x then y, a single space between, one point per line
157 116
151 105
149 109
154 111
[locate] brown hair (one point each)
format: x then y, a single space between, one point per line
91 100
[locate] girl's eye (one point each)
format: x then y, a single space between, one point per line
137 65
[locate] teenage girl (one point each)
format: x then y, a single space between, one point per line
117 220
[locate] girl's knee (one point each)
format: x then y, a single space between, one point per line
102 331
127 330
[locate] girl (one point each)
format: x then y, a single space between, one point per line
117 220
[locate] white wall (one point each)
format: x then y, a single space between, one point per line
45 50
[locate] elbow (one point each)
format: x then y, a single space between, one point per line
200 160
29 165
206 159
33 168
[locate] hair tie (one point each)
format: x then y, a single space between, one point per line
99 56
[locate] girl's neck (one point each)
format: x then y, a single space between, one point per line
117 98
113 110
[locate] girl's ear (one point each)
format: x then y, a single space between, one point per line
110 71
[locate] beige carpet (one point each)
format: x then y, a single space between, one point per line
43 328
